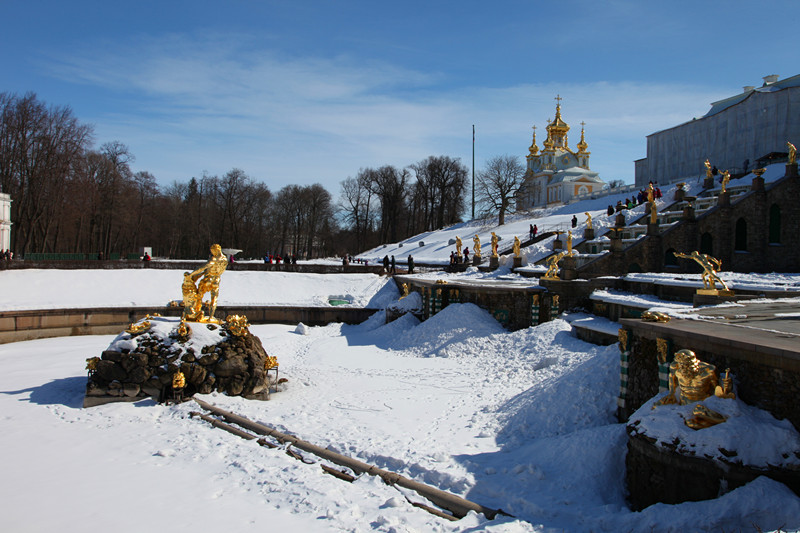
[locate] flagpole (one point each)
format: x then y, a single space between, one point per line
473 172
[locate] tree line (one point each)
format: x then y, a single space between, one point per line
70 196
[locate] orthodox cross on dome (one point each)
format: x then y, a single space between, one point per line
534 149
558 99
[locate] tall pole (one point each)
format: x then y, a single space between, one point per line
473 172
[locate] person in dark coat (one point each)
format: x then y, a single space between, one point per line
610 210
410 264
394 267
386 263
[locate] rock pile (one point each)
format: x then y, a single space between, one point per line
213 357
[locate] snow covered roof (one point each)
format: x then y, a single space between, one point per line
721 105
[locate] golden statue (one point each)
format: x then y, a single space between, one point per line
405 291
655 316
178 380
651 192
570 252
495 239
138 327
691 381
552 270
517 244
209 283
726 178
708 169
792 153
588 220
710 266
270 362
237 325
458 246
476 246
653 213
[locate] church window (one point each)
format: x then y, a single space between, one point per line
775 224
740 236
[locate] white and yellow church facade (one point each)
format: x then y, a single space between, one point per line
557 173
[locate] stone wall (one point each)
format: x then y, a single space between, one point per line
27 325
656 475
190 266
514 307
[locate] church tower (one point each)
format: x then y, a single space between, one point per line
557 173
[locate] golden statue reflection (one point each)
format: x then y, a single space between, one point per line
710 266
209 275
692 380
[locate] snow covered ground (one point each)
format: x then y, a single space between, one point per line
46 289
521 421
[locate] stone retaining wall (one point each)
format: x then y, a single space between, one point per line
27 325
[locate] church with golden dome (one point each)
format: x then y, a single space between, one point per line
556 173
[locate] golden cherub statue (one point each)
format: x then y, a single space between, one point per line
792 153
208 275
691 381
495 239
517 245
588 220
710 266
476 246
552 270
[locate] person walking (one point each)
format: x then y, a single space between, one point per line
410 264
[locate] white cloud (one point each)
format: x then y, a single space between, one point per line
188 105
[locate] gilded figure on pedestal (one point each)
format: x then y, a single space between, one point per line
692 380
209 276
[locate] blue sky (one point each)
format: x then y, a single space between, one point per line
309 92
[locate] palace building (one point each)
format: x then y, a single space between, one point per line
739 133
557 173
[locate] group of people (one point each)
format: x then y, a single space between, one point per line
633 201
6 255
389 266
457 259
533 231
270 259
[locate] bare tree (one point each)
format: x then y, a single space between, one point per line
498 184
442 182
